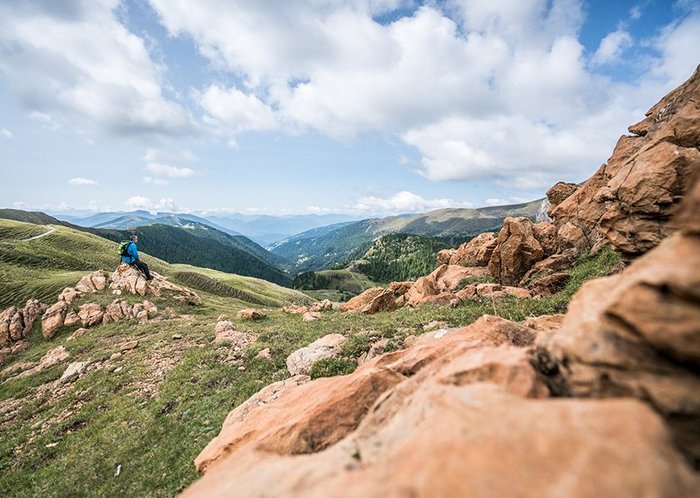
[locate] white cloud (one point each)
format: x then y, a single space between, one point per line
155 154
145 203
402 202
612 47
149 180
236 110
494 201
169 171
75 63
5 133
81 181
491 90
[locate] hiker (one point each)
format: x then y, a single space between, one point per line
132 257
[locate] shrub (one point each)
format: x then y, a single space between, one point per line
330 367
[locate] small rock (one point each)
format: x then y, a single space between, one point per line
116 356
117 292
241 368
52 445
129 345
80 332
250 314
311 316
118 471
176 336
74 371
118 369
265 353
222 318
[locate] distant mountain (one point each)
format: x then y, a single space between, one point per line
267 229
36 217
263 229
314 250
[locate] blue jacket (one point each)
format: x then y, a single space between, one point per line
133 254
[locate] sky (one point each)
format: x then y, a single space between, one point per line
365 107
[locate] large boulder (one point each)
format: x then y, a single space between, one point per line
476 252
559 192
301 360
53 318
638 334
95 281
16 323
128 279
371 301
516 251
90 314
439 287
630 199
449 416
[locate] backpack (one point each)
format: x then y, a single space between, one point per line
123 250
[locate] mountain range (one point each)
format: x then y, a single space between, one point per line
334 245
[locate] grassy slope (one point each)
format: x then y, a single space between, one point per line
41 268
71 443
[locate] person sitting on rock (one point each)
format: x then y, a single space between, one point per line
133 259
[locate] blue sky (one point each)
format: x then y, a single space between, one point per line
370 107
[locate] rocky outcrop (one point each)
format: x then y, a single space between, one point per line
629 200
371 301
638 334
325 305
53 318
301 360
94 282
448 416
128 279
476 252
516 251
16 323
90 314
559 192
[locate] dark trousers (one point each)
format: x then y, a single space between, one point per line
144 268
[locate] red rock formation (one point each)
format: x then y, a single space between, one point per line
516 251
629 200
450 416
371 301
638 334
475 252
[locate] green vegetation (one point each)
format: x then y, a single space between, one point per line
348 283
42 267
399 257
330 367
145 415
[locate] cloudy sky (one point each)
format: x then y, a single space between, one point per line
366 107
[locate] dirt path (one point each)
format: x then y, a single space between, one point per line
50 230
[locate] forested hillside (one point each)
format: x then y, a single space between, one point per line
177 245
399 256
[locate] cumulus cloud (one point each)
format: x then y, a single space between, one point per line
145 203
236 110
81 181
612 47
403 202
149 180
5 133
77 63
498 90
169 171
